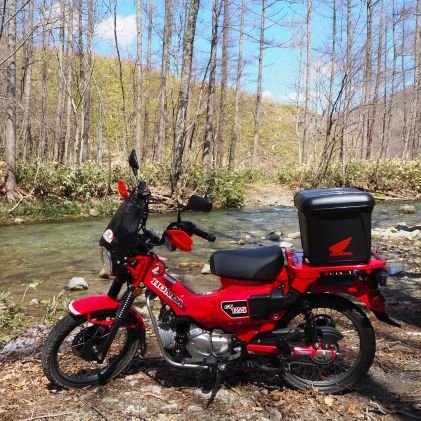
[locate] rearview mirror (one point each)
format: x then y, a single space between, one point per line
133 162
198 203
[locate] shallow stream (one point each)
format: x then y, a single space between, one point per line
52 253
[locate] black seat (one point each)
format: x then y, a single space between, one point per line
261 264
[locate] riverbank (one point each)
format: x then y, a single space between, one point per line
259 195
389 392
53 192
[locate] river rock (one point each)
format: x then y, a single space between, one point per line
191 409
93 212
29 342
206 269
188 264
136 410
77 284
393 234
286 244
103 275
407 209
294 235
241 242
171 408
18 221
34 301
273 236
403 226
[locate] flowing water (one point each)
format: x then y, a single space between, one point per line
52 253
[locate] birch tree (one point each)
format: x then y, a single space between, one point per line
27 93
309 15
139 79
224 81
236 123
259 87
162 101
183 96
209 128
148 81
10 150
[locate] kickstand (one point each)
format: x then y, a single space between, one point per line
219 373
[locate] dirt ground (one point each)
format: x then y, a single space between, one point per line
150 389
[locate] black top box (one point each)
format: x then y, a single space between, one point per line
335 225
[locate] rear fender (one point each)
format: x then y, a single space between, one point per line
88 305
370 296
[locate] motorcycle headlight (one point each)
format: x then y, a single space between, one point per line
107 261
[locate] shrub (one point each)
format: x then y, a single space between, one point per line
386 176
223 187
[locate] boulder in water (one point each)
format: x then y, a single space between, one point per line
77 284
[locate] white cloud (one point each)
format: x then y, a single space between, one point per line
126 30
267 95
292 97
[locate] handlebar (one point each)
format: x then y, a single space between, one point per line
203 234
191 229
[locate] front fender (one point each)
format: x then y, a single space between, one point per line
88 305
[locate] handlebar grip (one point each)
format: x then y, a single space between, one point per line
203 234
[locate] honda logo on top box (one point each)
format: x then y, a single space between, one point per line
335 225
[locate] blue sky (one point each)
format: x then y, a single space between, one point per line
280 63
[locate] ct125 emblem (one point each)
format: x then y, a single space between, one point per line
235 308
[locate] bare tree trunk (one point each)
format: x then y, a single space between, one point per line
417 83
78 150
162 101
100 117
61 92
259 87
148 83
348 76
368 72
376 99
183 96
393 84
224 80
87 85
139 80
26 123
10 151
385 86
329 119
303 158
123 93
44 86
69 82
405 125
236 123
209 129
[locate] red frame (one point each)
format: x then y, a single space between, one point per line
206 308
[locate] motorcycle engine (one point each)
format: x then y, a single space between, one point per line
200 343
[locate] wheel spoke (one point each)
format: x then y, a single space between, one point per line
348 352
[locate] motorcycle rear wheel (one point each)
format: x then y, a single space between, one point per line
356 349
67 355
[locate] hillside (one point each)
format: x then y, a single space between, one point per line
277 120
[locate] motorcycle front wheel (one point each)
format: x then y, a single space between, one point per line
68 355
354 352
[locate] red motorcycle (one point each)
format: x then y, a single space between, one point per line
276 309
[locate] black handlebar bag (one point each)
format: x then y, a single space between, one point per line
121 232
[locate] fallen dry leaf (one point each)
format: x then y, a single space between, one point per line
328 400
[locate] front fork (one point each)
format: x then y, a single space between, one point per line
127 301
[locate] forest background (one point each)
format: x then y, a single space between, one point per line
212 95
